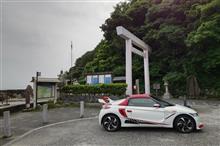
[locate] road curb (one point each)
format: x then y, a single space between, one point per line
42 127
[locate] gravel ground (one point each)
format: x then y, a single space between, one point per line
88 132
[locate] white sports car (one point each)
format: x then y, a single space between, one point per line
142 110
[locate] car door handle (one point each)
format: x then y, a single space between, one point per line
129 111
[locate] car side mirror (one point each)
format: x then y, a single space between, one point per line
156 105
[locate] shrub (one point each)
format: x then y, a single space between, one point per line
110 89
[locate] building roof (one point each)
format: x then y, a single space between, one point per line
120 78
46 80
98 73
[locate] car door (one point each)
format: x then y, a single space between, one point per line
142 111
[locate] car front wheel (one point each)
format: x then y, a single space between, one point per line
184 124
111 123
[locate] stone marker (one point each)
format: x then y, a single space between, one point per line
81 109
137 86
6 124
167 94
44 113
27 95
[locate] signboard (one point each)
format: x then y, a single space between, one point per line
156 86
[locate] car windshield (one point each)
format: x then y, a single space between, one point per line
162 102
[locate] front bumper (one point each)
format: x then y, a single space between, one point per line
199 124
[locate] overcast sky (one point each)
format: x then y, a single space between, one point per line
36 36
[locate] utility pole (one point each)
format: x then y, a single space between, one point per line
71 54
71 47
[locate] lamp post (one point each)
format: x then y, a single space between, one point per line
37 75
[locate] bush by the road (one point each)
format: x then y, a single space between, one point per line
109 89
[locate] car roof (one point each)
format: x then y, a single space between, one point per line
139 96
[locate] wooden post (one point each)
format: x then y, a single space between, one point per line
6 124
34 92
81 109
55 93
185 101
44 113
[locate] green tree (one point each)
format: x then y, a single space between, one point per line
184 36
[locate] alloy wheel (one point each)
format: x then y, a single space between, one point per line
111 123
185 124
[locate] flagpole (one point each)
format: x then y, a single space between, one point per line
71 54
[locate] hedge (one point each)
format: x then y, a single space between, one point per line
110 89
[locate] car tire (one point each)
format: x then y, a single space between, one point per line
111 123
184 124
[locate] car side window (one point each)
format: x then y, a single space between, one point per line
142 102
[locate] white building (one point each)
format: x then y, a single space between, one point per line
99 78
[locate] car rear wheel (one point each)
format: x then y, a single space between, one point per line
184 124
111 123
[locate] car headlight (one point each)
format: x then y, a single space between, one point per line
194 114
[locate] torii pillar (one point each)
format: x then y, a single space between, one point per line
131 39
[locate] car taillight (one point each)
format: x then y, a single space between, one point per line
106 106
106 99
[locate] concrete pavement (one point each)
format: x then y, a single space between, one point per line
25 121
88 132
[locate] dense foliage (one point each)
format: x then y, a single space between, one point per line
107 89
184 36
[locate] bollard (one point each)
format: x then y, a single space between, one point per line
44 113
6 124
81 109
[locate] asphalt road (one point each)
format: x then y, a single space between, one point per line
88 132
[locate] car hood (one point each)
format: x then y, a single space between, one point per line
180 108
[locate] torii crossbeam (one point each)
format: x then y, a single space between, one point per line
131 39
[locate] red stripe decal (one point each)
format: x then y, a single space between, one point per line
122 112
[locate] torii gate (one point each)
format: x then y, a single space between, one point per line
132 39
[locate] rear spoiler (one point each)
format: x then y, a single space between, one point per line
105 100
